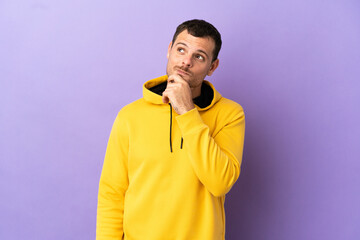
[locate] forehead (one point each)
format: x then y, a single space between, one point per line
205 44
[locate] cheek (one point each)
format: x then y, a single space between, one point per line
173 57
202 71
175 61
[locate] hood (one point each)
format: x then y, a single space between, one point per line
152 92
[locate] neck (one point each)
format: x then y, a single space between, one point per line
195 92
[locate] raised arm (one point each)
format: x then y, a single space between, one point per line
216 159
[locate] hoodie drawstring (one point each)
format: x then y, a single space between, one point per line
182 140
170 127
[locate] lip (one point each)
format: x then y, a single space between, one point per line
181 72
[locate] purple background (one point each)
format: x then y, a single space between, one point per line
67 67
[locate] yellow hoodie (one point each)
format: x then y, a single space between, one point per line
165 175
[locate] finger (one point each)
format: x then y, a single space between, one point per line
171 79
172 86
179 80
175 78
165 97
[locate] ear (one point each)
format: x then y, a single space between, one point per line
169 49
213 66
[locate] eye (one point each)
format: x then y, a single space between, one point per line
200 57
181 50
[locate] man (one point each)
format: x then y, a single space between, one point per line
173 154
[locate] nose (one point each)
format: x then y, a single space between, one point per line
187 61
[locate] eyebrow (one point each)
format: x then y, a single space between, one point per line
199 50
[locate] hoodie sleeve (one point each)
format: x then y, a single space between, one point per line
113 184
215 159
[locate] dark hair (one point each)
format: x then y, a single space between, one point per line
200 28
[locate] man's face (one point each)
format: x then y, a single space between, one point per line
191 58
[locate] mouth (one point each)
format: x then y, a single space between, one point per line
182 72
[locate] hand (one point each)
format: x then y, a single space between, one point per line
178 93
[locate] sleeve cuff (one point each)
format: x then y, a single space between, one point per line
190 121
